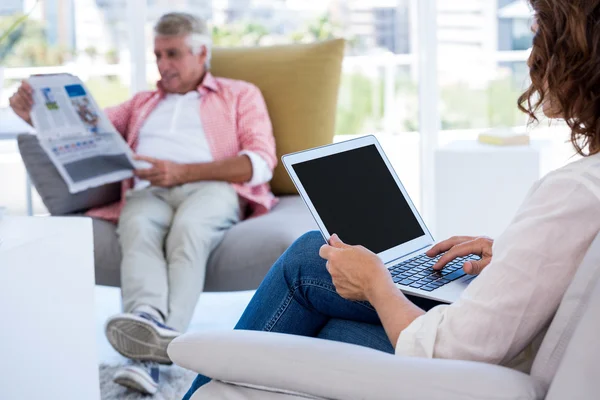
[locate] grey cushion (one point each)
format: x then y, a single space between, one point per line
326 369
52 187
242 259
250 248
107 253
239 263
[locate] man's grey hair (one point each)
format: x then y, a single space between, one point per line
184 24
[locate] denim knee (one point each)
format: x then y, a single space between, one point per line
302 259
309 243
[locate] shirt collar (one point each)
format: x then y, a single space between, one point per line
209 83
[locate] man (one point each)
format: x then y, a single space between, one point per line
210 151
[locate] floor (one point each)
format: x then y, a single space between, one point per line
214 311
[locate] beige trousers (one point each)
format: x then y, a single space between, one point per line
166 236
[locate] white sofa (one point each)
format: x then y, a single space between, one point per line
260 365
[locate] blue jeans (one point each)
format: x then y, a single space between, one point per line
298 297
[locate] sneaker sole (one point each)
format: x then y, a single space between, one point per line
135 381
137 339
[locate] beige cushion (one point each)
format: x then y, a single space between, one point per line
300 85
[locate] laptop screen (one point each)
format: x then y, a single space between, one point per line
357 197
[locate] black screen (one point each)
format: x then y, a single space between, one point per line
356 197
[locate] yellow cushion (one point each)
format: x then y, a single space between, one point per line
300 85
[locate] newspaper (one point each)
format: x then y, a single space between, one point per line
80 140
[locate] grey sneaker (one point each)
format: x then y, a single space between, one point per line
140 337
139 376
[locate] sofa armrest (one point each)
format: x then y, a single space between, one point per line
52 188
335 370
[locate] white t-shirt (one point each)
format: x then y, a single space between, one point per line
173 131
500 317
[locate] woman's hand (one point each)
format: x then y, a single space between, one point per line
460 246
356 272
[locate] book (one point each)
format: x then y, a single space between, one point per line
504 138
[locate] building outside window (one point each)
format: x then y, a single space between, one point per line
481 46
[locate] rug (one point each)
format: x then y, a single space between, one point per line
174 383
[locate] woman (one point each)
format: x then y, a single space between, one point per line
344 293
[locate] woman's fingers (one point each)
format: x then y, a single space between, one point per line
326 251
481 246
335 241
460 250
474 267
447 244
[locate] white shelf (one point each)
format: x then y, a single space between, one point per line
479 188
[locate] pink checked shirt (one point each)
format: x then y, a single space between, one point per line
234 118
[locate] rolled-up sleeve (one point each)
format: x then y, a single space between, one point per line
255 130
503 310
261 173
418 339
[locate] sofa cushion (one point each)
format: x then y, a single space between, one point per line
251 247
300 85
576 300
337 370
241 260
107 253
577 375
51 186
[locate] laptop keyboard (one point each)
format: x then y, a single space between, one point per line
418 272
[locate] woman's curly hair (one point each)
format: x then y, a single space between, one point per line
565 67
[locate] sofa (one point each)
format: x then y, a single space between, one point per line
248 365
300 85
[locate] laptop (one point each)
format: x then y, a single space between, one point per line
352 190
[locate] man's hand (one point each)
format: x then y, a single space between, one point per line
460 246
356 271
22 101
162 173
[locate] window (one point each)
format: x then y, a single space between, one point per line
80 37
83 38
92 40
482 63
378 75
521 34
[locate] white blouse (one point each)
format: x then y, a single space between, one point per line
501 316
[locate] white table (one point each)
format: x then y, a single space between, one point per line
478 187
48 343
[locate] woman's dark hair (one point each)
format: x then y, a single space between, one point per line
565 67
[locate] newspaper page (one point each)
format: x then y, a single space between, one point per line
80 140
